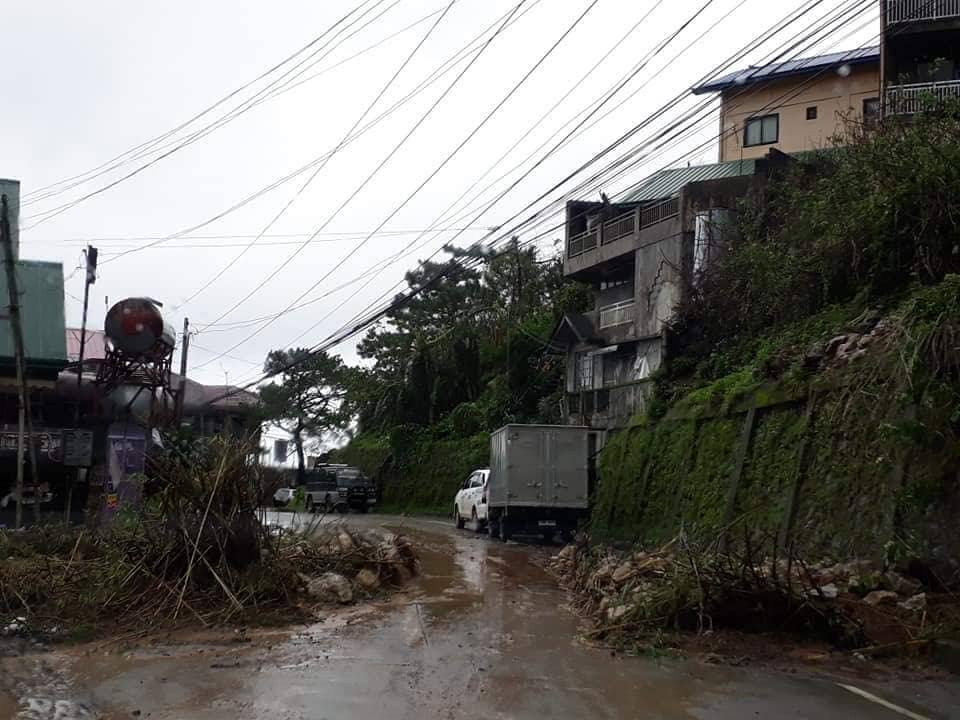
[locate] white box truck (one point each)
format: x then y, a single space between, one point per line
539 480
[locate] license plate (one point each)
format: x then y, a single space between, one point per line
547 523
371 500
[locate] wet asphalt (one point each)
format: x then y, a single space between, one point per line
483 632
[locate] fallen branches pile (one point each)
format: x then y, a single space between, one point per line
632 596
197 551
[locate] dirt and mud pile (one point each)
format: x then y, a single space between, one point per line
195 551
635 596
57 582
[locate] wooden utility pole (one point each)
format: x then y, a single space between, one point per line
183 370
24 417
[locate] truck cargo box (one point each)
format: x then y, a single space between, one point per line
539 466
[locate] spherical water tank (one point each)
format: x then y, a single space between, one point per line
136 327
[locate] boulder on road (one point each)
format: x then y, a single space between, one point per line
918 603
368 579
623 572
345 541
881 597
330 587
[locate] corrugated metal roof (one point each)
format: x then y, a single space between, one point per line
801 66
667 183
41 309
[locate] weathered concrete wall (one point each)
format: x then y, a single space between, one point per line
661 268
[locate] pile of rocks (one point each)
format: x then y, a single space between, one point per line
678 587
849 347
340 564
864 580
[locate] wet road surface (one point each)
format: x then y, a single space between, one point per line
482 633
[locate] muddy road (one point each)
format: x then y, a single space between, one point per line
482 633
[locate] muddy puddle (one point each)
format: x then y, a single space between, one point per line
481 633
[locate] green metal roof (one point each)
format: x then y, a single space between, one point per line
41 310
668 183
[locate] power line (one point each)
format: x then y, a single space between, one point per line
320 167
443 69
340 336
395 256
230 116
448 158
387 159
31 196
340 339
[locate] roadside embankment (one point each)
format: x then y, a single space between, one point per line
196 553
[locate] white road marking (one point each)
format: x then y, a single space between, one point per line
880 701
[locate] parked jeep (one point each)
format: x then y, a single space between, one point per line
339 487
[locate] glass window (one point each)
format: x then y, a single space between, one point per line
871 113
762 131
583 371
812 113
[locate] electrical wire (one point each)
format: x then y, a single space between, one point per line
438 73
340 339
319 168
380 166
244 107
29 197
340 336
448 158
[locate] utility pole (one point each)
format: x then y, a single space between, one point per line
90 256
24 417
183 370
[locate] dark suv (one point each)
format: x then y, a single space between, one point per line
338 487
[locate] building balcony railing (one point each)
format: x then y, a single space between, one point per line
917 97
617 314
583 242
625 225
903 11
619 227
609 406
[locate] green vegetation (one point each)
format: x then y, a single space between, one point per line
465 356
309 400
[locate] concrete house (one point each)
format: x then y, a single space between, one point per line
644 251
640 254
920 53
796 105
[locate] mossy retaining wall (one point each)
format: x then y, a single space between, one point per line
825 471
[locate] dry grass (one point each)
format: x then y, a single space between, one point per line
196 553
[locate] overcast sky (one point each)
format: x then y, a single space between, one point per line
85 82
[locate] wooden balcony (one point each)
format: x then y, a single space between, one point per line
905 11
917 97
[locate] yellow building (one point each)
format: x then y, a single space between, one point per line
796 105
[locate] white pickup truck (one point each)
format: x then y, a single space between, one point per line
471 501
